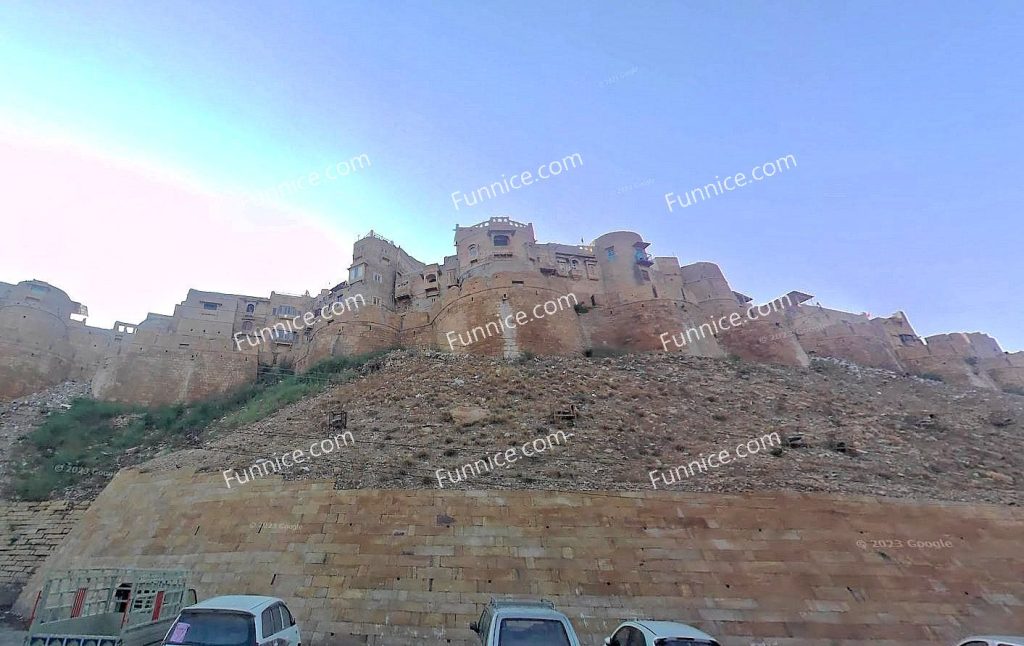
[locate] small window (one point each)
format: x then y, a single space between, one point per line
355 273
644 274
247 326
39 289
210 306
250 308
501 241
376 300
377 278
121 596
611 253
473 251
431 278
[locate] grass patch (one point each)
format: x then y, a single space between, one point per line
92 435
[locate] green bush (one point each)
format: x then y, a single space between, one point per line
92 434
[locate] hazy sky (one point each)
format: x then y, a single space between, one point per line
136 136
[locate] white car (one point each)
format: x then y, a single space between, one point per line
642 632
992 640
235 620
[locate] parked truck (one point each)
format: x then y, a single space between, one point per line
108 607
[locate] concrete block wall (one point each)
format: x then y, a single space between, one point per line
414 566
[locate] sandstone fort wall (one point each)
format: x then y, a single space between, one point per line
216 342
781 566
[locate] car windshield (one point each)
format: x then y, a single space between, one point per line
212 629
532 632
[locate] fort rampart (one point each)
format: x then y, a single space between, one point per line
624 300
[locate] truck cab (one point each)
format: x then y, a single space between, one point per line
510 621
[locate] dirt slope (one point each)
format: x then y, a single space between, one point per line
906 437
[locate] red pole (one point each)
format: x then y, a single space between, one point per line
32 617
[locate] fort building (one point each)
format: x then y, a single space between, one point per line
626 300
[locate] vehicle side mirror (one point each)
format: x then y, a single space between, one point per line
293 622
475 627
190 597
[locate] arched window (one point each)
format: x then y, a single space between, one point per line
247 326
473 251
250 308
501 241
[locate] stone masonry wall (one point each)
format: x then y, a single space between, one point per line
162 376
29 532
414 566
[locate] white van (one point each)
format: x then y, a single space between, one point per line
235 620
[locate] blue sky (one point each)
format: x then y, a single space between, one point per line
905 122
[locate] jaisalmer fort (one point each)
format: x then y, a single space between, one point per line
625 299
230 418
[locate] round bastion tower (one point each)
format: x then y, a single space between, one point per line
34 320
624 262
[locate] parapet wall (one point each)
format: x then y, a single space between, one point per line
414 566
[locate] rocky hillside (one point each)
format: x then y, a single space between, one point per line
19 417
853 430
